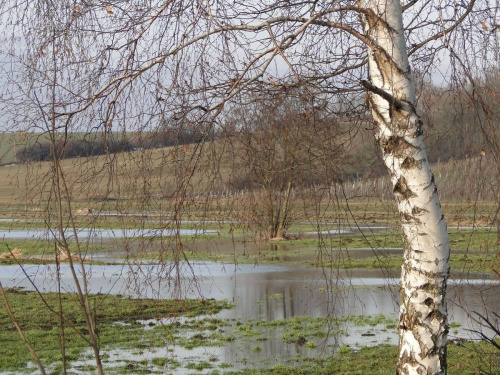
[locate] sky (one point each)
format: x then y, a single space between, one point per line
86 60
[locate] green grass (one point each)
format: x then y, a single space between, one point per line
43 252
41 329
458 262
465 359
473 240
8 143
305 252
38 247
471 250
41 326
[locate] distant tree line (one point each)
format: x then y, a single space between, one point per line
112 143
169 136
461 120
42 151
450 119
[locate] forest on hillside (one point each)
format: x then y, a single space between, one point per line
454 128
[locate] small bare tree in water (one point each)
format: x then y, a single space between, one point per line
282 142
123 65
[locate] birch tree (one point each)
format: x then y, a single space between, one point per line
423 322
125 64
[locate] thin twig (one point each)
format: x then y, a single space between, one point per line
20 331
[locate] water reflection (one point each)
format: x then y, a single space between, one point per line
267 292
83 233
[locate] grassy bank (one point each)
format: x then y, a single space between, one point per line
472 250
478 240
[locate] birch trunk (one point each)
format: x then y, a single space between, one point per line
423 324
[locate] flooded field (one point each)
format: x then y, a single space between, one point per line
100 234
285 309
280 314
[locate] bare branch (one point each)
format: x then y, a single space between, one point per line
444 32
20 331
409 4
390 98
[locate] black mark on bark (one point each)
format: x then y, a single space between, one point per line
417 210
402 189
419 131
396 146
410 163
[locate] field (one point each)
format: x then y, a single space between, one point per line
189 187
202 187
203 176
120 329
192 187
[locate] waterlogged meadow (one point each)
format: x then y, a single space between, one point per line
197 189
325 300
39 316
195 337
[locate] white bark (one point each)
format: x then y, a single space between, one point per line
423 322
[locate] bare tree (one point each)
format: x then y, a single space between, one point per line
282 142
121 64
